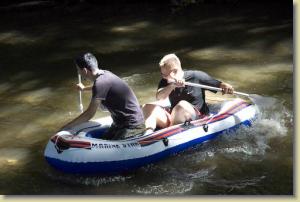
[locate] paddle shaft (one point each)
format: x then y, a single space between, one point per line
80 96
213 88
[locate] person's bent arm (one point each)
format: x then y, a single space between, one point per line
163 93
85 116
82 87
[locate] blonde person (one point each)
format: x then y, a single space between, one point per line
187 102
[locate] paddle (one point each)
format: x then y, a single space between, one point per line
213 88
80 98
253 97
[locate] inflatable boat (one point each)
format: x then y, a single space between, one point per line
81 150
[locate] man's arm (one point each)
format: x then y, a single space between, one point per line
82 87
85 116
208 80
164 93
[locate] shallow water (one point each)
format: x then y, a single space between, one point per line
37 96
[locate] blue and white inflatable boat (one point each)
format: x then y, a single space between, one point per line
81 150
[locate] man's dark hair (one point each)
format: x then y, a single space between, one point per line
86 60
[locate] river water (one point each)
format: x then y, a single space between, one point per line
248 45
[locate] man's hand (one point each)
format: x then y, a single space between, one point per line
177 82
80 86
226 88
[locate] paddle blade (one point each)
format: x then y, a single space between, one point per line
262 101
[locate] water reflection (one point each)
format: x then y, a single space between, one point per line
35 97
268 28
12 158
16 37
135 27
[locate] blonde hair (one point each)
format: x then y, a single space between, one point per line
169 60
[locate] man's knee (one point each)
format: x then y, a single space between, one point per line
150 107
182 106
153 109
183 111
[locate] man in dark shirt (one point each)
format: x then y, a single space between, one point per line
187 102
114 94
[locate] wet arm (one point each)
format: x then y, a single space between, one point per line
164 93
85 116
82 87
88 87
208 80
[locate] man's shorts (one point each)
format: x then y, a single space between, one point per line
119 133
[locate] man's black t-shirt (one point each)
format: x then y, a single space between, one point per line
193 95
119 99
